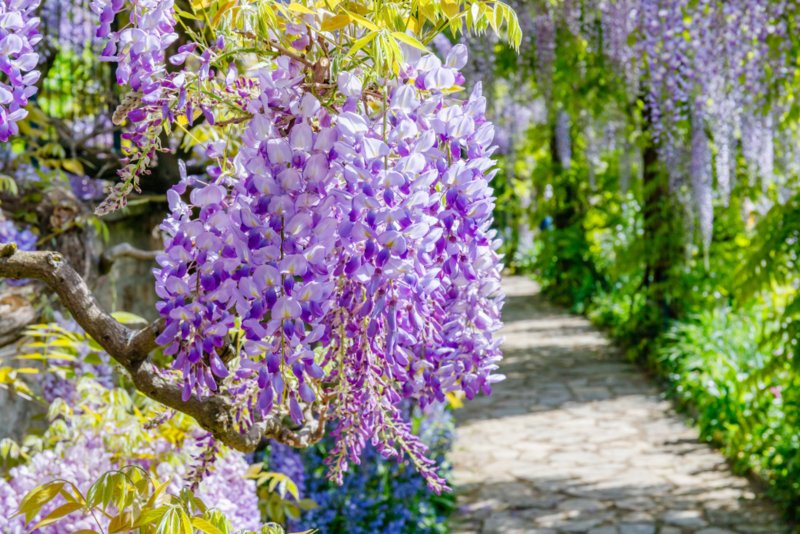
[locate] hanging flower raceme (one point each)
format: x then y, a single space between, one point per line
139 49
350 248
18 60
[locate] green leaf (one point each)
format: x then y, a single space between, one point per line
204 525
361 43
307 504
8 185
58 513
362 21
409 40
74 166
32 502
150 516
121 523
128 318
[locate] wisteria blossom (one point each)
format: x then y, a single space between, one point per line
139 49
18 60
696 65
353 250
82 462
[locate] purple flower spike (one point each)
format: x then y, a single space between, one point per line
336 247
18 59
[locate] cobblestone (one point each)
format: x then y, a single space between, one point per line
578 440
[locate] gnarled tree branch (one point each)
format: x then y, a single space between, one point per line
131 347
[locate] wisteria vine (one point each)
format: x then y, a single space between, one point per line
353 251
712 78
336 257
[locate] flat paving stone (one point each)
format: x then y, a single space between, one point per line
578 440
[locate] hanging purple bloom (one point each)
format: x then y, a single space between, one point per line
350 256
18 60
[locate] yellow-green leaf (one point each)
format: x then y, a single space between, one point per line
151 516
38 497
218 16
204 525
409 40
185 522
157 493
58 513
361 43
74 166
128 318
362 21
121 523
300 8
334 23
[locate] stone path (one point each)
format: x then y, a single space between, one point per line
578 440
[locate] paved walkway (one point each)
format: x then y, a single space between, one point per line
578 440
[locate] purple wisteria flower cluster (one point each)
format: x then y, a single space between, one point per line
226 488
18 60
11 233
139 49
705 71
351 248
80 462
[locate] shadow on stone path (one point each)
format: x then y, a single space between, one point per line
578 440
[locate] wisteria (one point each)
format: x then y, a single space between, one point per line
377 495
225 488
694 65
700 168
757 146
354 250
18 60
10 232
68 24
619 24
139 52
80 463
140 49
545 35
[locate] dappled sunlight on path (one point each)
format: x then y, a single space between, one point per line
579 440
